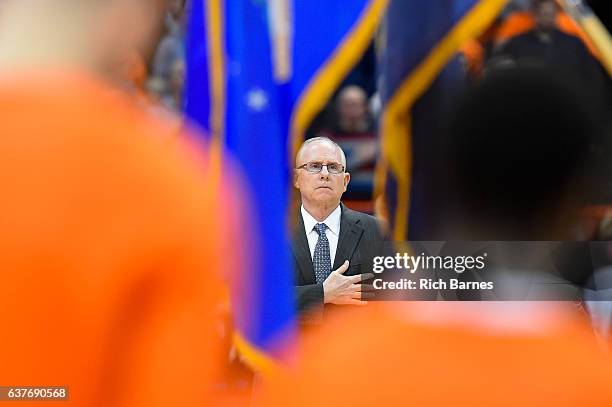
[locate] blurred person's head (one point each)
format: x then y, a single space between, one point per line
352 108
518 147
545 14
99 35
320 175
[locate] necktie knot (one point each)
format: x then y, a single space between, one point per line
320 228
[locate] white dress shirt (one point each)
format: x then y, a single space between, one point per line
332 232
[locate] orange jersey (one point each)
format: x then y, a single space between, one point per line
520 22
111 242
447 354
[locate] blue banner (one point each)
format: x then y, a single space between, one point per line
258 72
419 69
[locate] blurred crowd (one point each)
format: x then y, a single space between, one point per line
527 32
157 74
123 222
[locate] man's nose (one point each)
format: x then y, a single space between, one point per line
324 174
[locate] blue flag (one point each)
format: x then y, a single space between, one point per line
258 72
419 68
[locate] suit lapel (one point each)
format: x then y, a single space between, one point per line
350 233
301 252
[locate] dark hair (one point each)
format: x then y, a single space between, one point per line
518 143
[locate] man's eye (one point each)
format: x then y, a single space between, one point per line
334 168
315 166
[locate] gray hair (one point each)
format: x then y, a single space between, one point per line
321 139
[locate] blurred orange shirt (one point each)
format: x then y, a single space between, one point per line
447 354
516 24
473 52
521 22
111 244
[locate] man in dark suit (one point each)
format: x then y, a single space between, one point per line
333 246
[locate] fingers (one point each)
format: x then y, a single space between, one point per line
342 269
363 293
365 287
361 277
366 276
367 296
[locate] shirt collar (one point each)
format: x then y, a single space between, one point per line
332 221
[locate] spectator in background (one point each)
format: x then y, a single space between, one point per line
545 43
168 94
548 46
174 99
516 19
520 19
362 75
354 131
168 61
352 105
171 46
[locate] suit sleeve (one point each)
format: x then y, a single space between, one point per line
309 303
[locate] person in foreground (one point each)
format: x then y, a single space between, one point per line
518 146
110 271
332 245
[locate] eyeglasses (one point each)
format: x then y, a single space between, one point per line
315 167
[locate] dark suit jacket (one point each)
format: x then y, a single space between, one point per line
360 240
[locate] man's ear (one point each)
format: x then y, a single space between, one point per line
296 176
347 179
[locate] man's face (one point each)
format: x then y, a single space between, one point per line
322 188
352 106
545 15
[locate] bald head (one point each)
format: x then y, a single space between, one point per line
95 34
312 143
322 183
